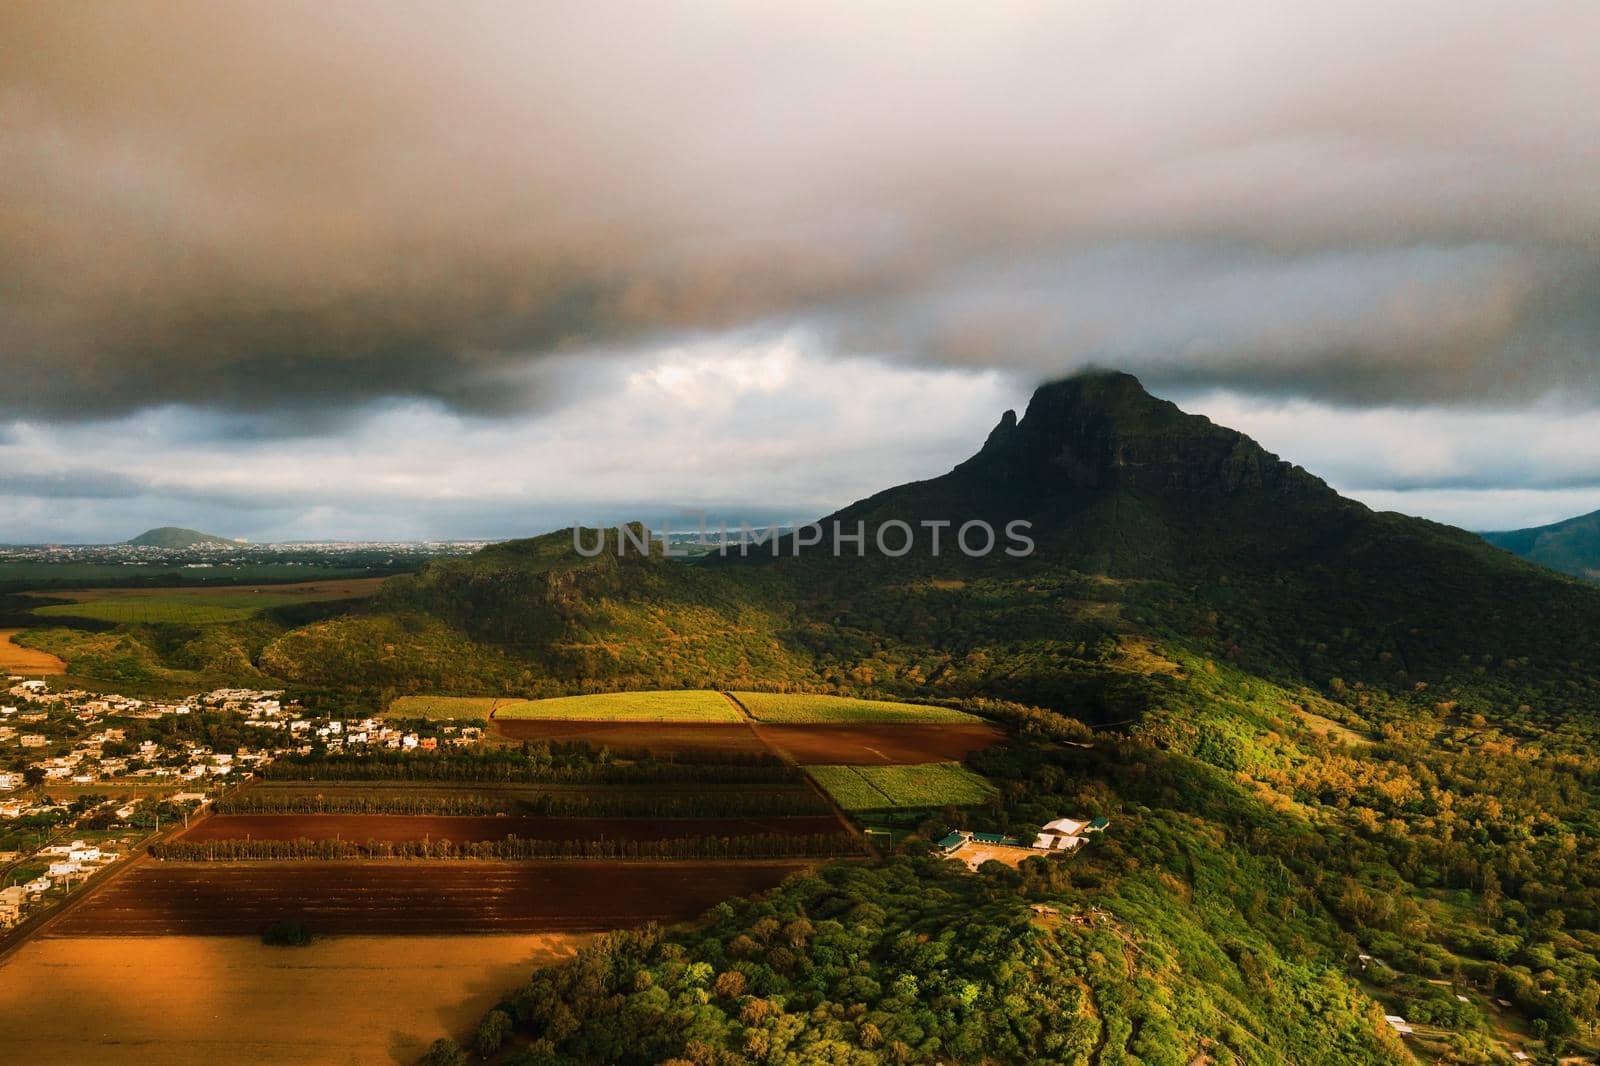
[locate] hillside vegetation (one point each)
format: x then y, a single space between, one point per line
1571 546
1322 733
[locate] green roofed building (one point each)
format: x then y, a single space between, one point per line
951 841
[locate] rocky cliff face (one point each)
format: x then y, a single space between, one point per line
1102 431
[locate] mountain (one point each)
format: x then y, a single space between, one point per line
1349 758
1571 546
178 537
1212 538
1151 526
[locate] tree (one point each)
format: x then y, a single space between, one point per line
444 1052
492 1032
286 933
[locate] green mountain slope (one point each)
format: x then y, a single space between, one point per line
177 537
1571 546
1324 733
1188 532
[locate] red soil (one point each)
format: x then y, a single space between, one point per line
882 745
176 899
399 827
879 745
658 737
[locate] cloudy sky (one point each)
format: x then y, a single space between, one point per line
366 270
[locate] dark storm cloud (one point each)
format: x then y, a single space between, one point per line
205 205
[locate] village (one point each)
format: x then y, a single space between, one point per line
85 777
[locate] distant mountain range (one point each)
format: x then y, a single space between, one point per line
177 537
1571 546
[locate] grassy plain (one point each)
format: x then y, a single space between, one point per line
689 705
878 788
201 605
34 574
791 708
179 1000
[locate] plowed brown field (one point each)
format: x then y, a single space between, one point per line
401 827
879 745
883 745
731 736
176 899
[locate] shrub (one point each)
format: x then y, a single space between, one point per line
287 933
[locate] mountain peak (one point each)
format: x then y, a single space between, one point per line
1102 430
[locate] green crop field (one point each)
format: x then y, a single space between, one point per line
448 706
692 705
178 607
802 709
879 788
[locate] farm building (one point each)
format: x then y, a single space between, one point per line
1061 835
1066 834
1057 841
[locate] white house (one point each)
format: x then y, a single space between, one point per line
1065 834
64 869
11 899
9 781
87 853
37 885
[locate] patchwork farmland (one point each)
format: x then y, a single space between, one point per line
799 727
619 809
579 815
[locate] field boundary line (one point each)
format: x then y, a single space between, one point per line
738 705
833 805
865 780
